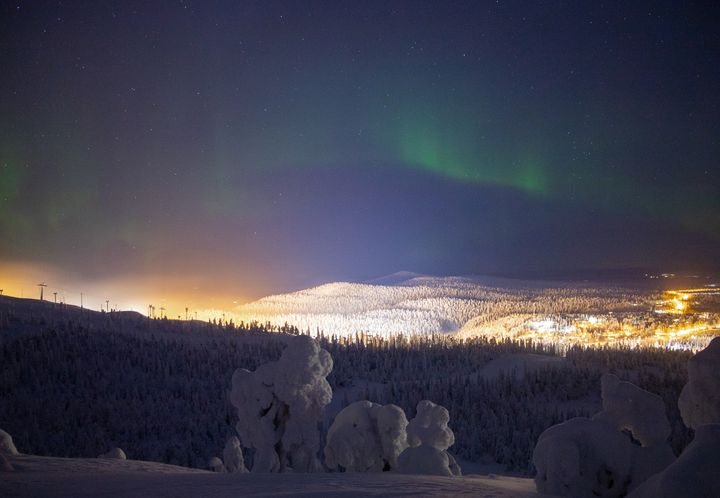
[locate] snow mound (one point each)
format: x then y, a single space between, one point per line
233 456
695 474
7 447
280 405
216 465
366 437
627 407
699 401
429 438
116 453
94 477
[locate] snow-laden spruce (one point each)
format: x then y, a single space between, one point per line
593 457
7 447
429 437
695 474
699 401
366 437
627 407
280 406
233 456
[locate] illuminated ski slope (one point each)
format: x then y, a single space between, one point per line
426 305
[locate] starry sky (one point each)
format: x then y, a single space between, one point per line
226 150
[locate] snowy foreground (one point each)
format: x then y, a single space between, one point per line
36 476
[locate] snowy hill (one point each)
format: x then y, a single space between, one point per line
557 313
91 477
409 303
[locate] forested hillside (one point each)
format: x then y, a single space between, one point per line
76 383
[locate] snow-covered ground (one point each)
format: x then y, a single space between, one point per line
36 476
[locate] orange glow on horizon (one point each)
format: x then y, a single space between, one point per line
170 295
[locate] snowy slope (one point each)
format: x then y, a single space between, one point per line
408 303
77 478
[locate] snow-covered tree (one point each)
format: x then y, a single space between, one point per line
233 456
7 447
593 457
280 405
429 438
695 474
699 401
627 407
366 437
582 458
151 378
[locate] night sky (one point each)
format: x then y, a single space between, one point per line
237 148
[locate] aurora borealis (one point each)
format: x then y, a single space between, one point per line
224 150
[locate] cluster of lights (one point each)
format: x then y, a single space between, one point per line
683 329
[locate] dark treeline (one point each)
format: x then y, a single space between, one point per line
75 384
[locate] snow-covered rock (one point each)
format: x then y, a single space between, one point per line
216 465
366 437
7 447
699 401
115 453
233 456
280 405
429 438
695 474
628 407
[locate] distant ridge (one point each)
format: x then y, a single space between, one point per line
395 278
